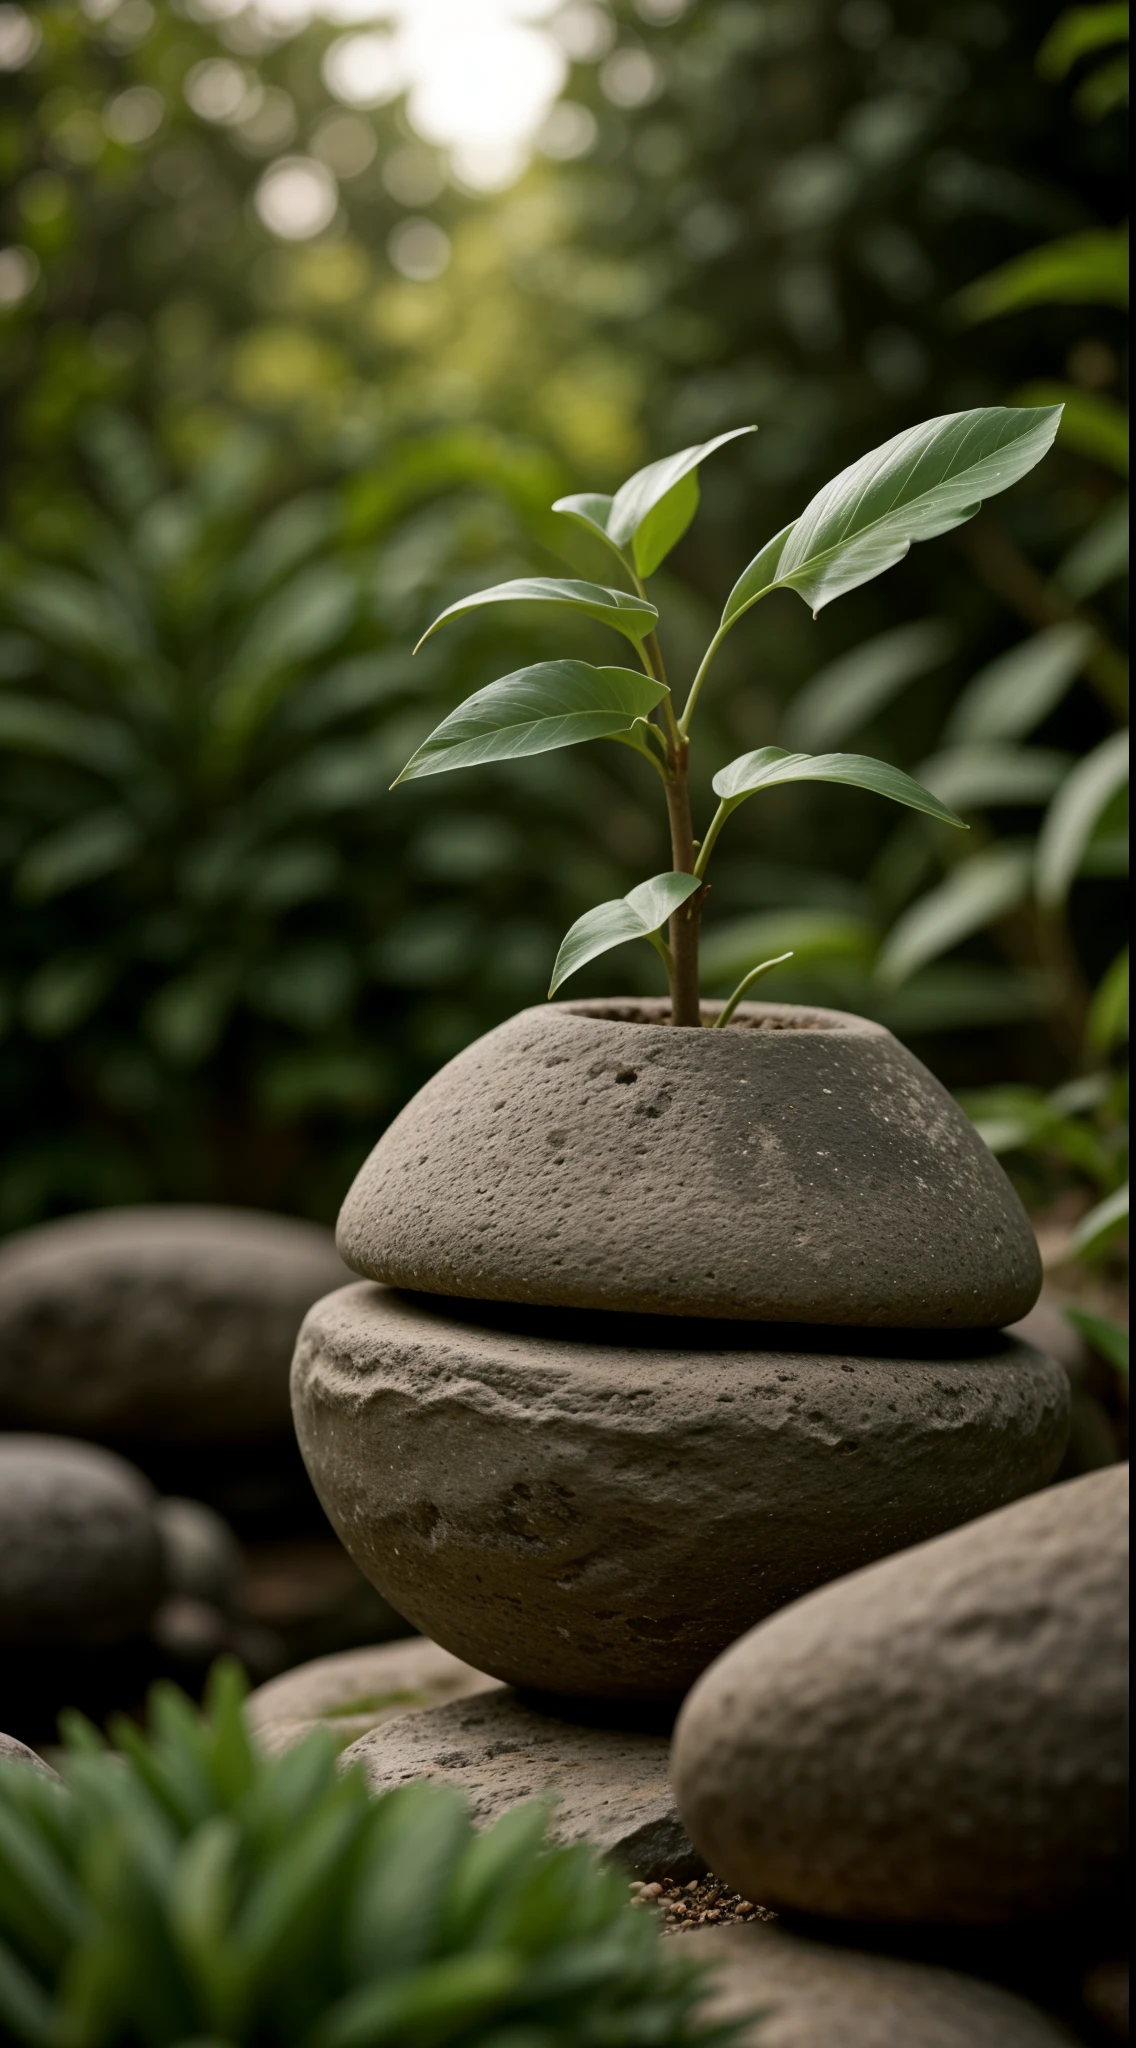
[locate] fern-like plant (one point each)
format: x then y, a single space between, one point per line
922 483
189 1890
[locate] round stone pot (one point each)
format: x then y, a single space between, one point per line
599 1505
800 1166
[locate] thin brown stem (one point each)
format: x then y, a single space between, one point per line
684 926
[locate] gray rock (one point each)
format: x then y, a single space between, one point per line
80 1560
941 1737
201 1558
811 1996
610 1784
801 1166
355 1691
599 1506
164 1325
13 1752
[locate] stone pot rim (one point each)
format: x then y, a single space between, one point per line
652 1013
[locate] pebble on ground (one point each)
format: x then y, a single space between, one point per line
703 1901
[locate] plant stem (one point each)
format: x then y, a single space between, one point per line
685 1007
711 651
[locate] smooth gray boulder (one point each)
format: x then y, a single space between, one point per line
165 1325
940 1738
610 1785
352 1692
801 1166
812 1996
600 1505
80 1558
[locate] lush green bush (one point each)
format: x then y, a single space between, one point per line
193 1890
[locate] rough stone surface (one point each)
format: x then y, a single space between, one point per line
13 1752
80 1560
941 1737
812 1996
800 1166
600 1505
610 1784
201 1558
353 1692
163 1324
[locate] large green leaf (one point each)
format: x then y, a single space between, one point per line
972 896
924 482
634 916
653 509
1089 268
768 766
1074 812
1012 695
631 616
552 704
852 689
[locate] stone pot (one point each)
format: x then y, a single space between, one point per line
599 1505
800 1166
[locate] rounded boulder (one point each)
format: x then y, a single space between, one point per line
80 1555
599 1505
800 1166
941 1737
160 1325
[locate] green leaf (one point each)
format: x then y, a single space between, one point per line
1105 87
1012 695
978 776
631 616
1107 1337
972 897
769 766
37 725
75 854
1099 557
1108 1017
924 482
1078 32
1069 822
1088 268
1091 424
652 510
553 704
962 995
1101 1226
850 691
634 916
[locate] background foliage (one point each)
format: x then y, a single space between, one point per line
242 474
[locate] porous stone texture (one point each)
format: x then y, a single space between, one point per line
164 1325
13 1752
941 1737
812 1996
80 1560
610 1784
799 1166
356 1690
201 1558
599 1505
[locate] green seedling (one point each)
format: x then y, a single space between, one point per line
926 481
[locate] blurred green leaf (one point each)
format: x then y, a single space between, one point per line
1108 1018
922 483
634 916
985 774
1105 87
1079 32
851 690
1109 1338
95 845
1088 268
40 726
1013 694
631 616
962 995
974 895
767 767
1069 822
1099 557
811 935
65 991
1092 424
553 704
1102 1226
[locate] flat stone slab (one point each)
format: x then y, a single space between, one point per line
611 1785
812 1996
600 1505
825 1176
941 1737
357 1690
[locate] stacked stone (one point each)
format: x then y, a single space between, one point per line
659 1331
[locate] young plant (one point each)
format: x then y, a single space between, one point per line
190 1890
924 482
